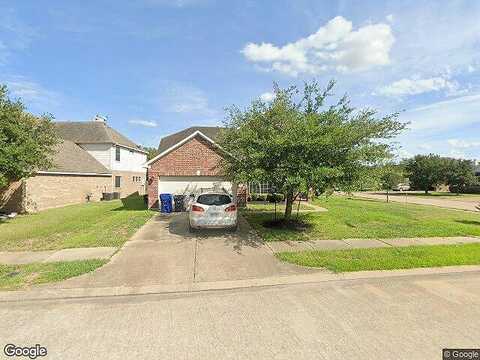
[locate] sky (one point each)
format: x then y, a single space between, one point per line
154 67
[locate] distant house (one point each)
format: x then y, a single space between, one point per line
93 159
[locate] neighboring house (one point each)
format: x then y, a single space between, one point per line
92 159
477 170
188 160
121 156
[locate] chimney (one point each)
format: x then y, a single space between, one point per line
99 118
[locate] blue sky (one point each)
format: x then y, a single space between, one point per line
157 66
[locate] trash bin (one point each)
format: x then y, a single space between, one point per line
166 203
179 201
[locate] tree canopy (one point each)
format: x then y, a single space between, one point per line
26 141
459 174
151 152
426 172
298 143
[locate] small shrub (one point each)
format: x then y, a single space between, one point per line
262 197
275 198
468 189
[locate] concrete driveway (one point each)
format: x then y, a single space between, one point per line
163 251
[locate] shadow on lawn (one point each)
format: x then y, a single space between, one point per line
133 202
468 222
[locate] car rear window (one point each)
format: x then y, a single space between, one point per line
214 199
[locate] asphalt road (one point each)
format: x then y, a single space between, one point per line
390 318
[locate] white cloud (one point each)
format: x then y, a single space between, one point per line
403 154
267 96
457 154
389 18
425 147
335 46
186 99
441 116
463 144
417 86
145 123
33 93
17 34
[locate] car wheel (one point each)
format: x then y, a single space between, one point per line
234 228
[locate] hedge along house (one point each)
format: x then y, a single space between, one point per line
188 161
92 159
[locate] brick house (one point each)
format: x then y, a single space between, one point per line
188 160
91 160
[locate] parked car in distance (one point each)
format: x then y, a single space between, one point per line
213 210
401 187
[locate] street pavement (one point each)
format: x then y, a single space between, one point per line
409 317
470 205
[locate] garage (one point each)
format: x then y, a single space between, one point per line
186 185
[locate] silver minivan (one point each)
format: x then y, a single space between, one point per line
213 209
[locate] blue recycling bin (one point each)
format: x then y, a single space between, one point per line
166 205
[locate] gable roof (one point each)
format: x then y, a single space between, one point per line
168 141
91 132
171 142
71 158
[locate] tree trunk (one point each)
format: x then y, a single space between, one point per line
288 206
387 195
426 191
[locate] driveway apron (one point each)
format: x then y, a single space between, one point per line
163 251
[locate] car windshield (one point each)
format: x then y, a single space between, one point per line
214 199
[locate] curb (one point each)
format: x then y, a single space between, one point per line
192 288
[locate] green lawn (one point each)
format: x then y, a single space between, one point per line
96 224
387 258
14 277
363 218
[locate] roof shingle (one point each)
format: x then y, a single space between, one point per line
92 132
71 158
170 140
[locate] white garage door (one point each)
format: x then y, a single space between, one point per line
185 185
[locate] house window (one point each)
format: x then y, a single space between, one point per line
118 181
259 188
117 153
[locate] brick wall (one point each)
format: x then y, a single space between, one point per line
48 191
129 183
196 157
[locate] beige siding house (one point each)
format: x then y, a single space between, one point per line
93 159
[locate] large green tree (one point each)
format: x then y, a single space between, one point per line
425 171
459 174
298 143
26 141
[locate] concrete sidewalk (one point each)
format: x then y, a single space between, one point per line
292 246
27 257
